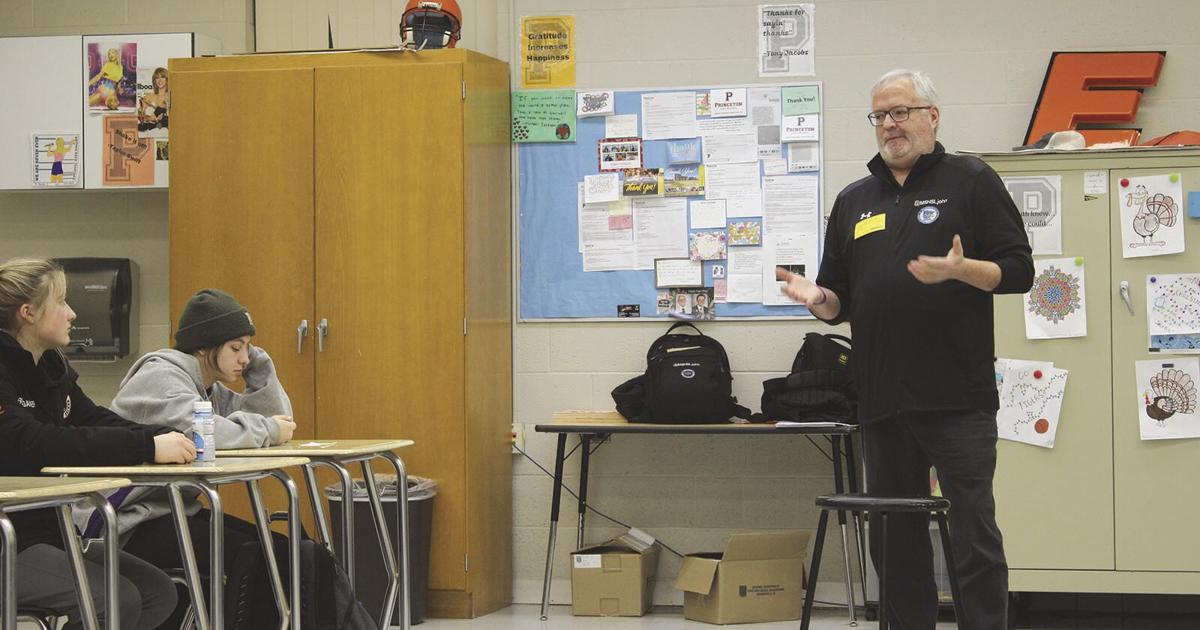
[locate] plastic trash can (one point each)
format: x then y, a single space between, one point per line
370 575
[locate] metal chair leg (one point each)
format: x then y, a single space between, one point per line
810 592
944 530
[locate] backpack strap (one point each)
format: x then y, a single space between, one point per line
678 324
845 340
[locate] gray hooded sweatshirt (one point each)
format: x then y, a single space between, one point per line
161 388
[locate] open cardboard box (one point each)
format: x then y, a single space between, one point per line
613 579
759 577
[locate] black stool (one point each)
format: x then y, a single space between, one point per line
937 506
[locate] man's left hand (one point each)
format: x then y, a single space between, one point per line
935 269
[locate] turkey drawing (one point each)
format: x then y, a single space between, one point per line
1172 392
1156 211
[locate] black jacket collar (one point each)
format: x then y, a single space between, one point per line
880 169
51 371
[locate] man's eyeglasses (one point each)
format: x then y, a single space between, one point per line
898 114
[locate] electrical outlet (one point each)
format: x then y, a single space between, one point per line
518 436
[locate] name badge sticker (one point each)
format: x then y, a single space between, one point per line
868 225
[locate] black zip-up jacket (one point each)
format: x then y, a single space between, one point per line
922 347
46 420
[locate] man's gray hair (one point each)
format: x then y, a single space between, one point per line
921 83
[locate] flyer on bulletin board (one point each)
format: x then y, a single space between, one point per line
543 116
548 51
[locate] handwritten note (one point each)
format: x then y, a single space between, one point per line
543 116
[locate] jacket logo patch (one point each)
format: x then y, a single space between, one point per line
928 214
865 215
868 225
67 407
28 404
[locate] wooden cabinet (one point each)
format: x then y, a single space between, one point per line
368 195
1103 511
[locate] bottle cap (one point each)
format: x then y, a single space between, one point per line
202 405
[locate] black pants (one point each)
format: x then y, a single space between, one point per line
962 446
155 542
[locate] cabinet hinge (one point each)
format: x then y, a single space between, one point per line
464 326
464 88
466 563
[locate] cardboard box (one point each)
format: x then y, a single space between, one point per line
759 577
613 579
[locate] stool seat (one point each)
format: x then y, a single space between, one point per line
870 503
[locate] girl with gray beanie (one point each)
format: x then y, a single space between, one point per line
212 351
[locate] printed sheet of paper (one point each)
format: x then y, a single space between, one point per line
1173 304
731 148
744 279
801 114
1152 215
603 248
707 213
722 126
1166 402
678 272
727 102
786 40
667 115
781 250
619 154
128 159
1039 198
1056 306
775 166
765 112
660 229
598 103
790 208
620 214
1030 403
601 188
548 51
738 184
543 116
683 180
685 151
621 126
803 156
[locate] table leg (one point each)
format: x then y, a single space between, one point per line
347 552
83 591
293 526
264 537
310 480
112 596
385 544
859 542
836 442
8 575
554 505
188 551
404 583
584 456
216 554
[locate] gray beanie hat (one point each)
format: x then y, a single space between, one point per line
211 318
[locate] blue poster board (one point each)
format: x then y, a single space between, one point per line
552 282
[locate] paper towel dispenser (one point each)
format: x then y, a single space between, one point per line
100 291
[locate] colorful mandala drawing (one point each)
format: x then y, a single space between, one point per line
1055 295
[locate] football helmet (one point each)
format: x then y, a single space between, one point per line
427 24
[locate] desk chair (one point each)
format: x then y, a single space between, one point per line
936 506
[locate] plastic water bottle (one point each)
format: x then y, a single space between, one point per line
202 431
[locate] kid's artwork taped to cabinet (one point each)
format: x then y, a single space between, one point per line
1167 398
1031 395
1173 312
1151 224
1056 306
56 160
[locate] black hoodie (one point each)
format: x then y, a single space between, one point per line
922 347
46 420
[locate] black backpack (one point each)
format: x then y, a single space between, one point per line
820 387
326 599
687 381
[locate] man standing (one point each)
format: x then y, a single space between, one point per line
913 254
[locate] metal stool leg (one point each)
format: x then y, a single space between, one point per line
810 592
951 570
883 545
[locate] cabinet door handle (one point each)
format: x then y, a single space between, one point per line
1125 297
322 332
301 333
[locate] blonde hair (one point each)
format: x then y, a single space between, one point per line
30 281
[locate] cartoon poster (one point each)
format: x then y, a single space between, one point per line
1166 402
1039 198
1030 402
56 160
128 159
543 116
153 101
1151 221
1056 306
112 76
